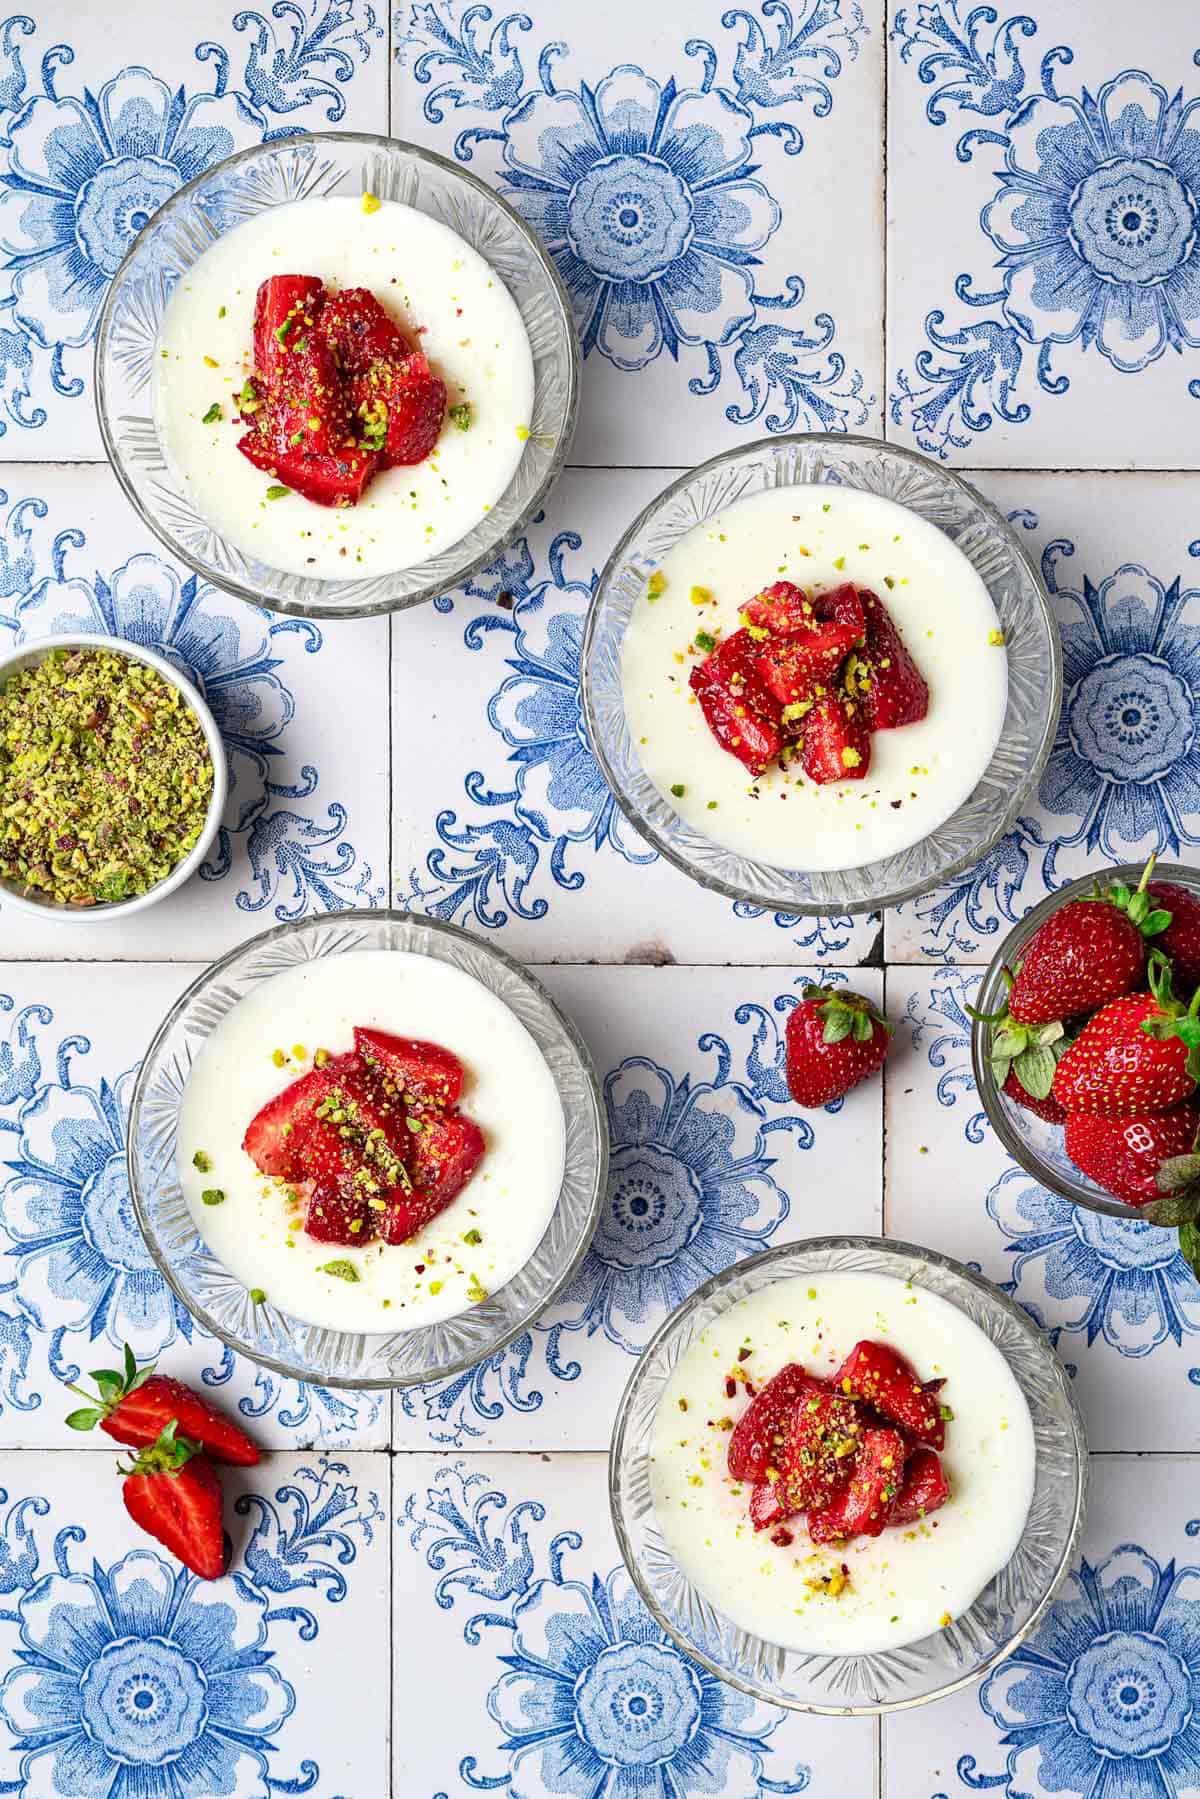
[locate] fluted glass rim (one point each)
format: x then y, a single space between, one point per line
771 886
582 1189
320 596
808 1256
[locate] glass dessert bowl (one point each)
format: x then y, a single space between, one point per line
368 216
1032 1141
854 1626
313 1294
935 566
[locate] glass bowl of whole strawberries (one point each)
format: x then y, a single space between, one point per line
1086 1045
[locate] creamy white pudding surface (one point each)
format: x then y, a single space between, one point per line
508 1091
818 536
907 1582
429 280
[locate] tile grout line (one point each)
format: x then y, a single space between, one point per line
389 1725
634 468
883 177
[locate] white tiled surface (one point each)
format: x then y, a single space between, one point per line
438 762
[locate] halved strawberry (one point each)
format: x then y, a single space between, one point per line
780 609
277 1131
879 1375
425 1070
416 406
886 679
285 307
360 331
740 712
173 1492
836 742
135 1405
754 1436
811 653
864 1505
924 1489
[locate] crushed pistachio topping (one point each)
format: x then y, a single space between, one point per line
996 638
475 1292
473 1237
371 202
202 1162
701 596
212 415
523 432
210 362
850 757
678 789
105 777
705 641
277 491
341 1269
247 399
257 1297
656 585
460 415
213 1196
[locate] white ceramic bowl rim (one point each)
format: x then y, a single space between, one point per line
28 655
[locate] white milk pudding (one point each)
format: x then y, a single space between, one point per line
869 1592
818 537
445 299
271 1039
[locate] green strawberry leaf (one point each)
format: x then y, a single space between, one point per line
1035 1070
864 1028
1189 1247
838 1024
130 1366
1120 895
1050 1033
109 1383
1138 907
86 1418
1176 1172
1011 1042
1000 1068
1193 1062
1154 922
1174 1208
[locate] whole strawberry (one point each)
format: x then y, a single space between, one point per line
834 1040
136 1405
1124 1155
1086 953
1044 1105
1180 941
1139 1054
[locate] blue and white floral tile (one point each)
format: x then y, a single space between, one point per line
127 1675
101 120
709 184
1044 269
1103 1700
710 1160
1121 1306
76 1279
516 1601
502 819
302 707
1120 557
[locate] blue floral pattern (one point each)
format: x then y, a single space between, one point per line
691 1188
81 173
298 859
646 192
1105 1696
594 1696
133 1677
1094 222
74 1265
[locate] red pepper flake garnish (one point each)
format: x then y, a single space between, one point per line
730 1386
743 1353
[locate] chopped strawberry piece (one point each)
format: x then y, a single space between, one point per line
416 403
763 1421
336 480
446 1152
820 1441
836 742
338 1213
740 712
924 1488
424 1069
877 1374
809 656
360 332
284 308
276 1133
307 409
767 1507
255 446
780 609
887 680
864 1505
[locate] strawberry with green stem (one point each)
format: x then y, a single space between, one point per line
136 1405
835 1038
1141 1053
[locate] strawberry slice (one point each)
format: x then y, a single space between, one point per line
741 713
416 406
425 1070
173 1492
780 609
276 1132
359 331
334 480
864 1505
876 1374
759 1428
307 410
809 656
285 307
767 1506
815 1459
924 1488
135 1405
886 679
446 1152
338 1212
836 741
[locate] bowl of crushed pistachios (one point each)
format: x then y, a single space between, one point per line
112 778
